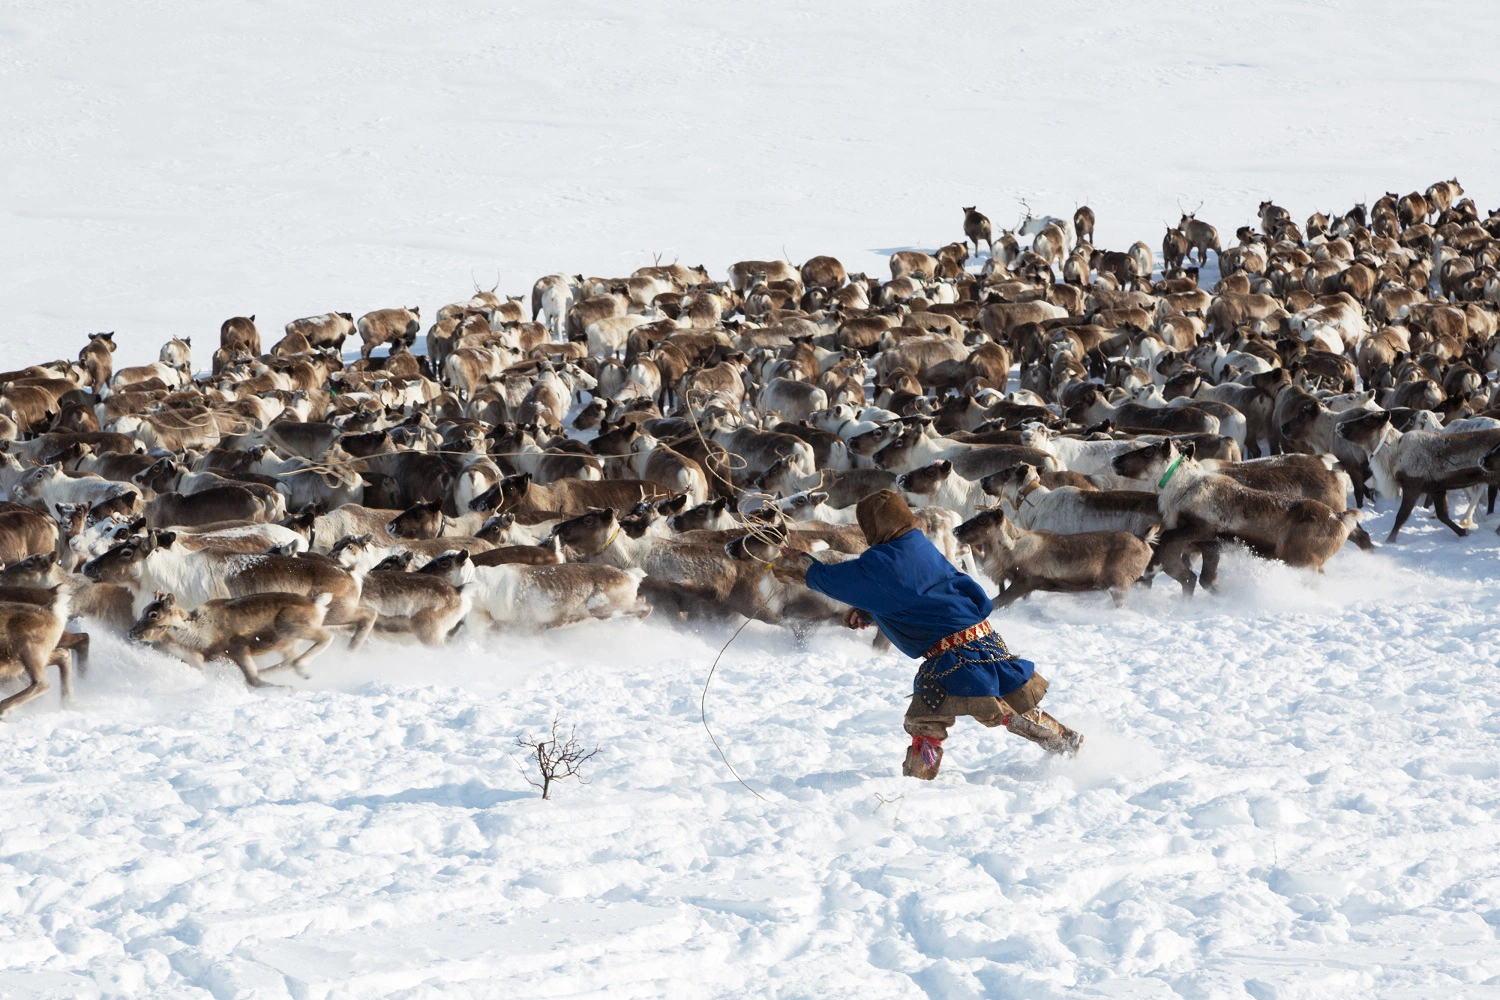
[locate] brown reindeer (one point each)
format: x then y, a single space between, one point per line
1200 237
238 629
97 358
976 228
238 333
1025 561
29 641
391 327
823 272
532 503
1174 249
1083 224
1441 196
1199 506
326 331
155 561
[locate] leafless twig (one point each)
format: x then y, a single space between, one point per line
556 758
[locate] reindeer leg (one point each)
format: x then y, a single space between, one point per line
78 643
1173 550
320 639
1475 494
1208 575
363 622
239 652
1410 491
36 672
63 660
1356 480
1440 506
1020 587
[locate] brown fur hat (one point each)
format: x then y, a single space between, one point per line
884 516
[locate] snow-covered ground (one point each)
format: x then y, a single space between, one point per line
166 165
1290 788
1289 791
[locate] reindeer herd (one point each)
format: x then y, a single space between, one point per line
619 445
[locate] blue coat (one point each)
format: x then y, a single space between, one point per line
916 598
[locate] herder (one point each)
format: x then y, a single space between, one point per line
905 586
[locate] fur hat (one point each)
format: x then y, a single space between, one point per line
884 516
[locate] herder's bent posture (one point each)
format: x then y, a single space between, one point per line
905 586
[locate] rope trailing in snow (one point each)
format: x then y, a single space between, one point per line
703 700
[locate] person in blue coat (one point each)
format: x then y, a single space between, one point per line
928 609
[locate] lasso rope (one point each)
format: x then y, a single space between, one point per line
703 699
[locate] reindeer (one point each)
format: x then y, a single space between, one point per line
1414 463
238 629
1033 225
30 637
1272 218
394 328
516 595
1441 196
1025 561
325 331
238 333
156 561
1198 506
97 359
1069 510
825 273
178 353
1083 224
1174 248
1200 235
976 228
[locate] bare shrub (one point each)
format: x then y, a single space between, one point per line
556 758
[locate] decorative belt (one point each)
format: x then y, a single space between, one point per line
959 638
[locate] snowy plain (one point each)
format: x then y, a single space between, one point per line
1290 788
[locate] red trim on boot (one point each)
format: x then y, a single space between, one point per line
928 748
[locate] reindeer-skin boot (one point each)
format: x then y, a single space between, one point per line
1045 731
923 758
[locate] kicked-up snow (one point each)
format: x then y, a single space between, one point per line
1289 788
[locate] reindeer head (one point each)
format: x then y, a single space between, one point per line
455 566
589 532
423 520
34 571
706 516
157 618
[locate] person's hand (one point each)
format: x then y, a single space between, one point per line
856 619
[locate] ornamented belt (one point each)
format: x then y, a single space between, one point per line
960 638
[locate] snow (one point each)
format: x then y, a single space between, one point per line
1288 791
1289 788
169 165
